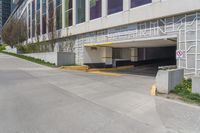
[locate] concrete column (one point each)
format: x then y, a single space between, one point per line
126 5
87 10
107 55
134 54
74 11
104 8
63 14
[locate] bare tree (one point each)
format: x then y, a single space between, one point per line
14 32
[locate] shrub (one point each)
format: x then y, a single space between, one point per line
35 48
184 89
2 47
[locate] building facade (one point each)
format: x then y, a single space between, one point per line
107 31
5 10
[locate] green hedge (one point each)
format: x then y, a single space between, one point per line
34 48
2 47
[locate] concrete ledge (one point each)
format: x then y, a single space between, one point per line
196 84
167 80
58 58
76 68
11 50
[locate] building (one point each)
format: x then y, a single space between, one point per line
116 32
5 9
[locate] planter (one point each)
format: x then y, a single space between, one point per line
167 80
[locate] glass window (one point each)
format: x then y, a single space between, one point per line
44 6
68 13
115 6
33 28
33 9
136 3
95 9
44 24
80 11
51 16
58 14
44 16
38 4
29 21
38 17
33 18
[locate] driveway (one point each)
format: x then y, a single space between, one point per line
38 99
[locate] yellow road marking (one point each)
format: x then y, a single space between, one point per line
106 73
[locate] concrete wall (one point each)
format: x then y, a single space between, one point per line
11 50
122 53
93 55
167 80
50 57
156 9
196 84
58 58
157 53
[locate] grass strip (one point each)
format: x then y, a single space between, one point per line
31 59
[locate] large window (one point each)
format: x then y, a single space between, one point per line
44 16
80 11
51 15
95 9
68 13
136 3
33 18
58 14
115 6
38 17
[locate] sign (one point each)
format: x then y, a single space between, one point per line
180 54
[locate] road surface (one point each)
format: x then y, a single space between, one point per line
38 99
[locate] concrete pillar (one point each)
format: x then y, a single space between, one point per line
87 10
107 55
134 54
104 8
126 5
63 14
74 12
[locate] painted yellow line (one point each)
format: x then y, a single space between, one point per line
100 44
105 73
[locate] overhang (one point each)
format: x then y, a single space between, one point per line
161 41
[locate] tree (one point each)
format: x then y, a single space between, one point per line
51 25
14 32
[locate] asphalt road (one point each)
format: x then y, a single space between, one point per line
38 99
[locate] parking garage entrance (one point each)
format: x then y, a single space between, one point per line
145 55
146 60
